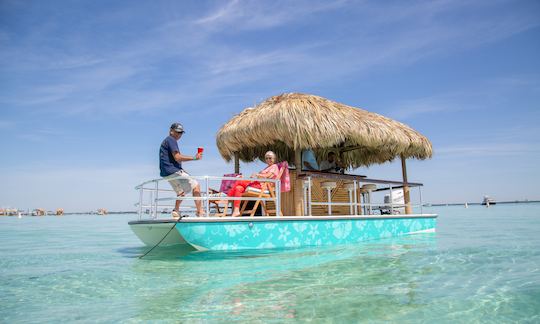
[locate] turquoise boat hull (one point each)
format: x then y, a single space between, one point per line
220 234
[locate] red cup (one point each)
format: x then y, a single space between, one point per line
200 150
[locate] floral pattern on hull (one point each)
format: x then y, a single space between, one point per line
296 233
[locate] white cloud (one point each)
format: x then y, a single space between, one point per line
82 82
488 149
246 61
488 94
246 15
223 13
434 104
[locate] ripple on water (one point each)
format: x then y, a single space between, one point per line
482 265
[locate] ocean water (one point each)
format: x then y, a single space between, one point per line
482 265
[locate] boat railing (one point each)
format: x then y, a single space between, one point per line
153 198
151 192
391 208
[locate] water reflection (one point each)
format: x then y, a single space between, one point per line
159 253
286 284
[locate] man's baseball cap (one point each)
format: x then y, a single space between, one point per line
177 127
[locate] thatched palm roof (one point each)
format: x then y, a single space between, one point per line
299 121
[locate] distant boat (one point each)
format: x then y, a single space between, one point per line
398 199
9 211
39 212
488 201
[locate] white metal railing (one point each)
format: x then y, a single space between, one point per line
152 190
356 205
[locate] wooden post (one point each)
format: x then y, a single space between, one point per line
236 164
406 194
298 190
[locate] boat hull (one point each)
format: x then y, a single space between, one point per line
151 232
283 232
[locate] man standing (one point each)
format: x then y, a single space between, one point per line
170 166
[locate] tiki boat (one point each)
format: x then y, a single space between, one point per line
320 208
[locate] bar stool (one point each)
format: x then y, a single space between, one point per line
366 191
350 186
329 185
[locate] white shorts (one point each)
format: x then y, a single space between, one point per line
184 184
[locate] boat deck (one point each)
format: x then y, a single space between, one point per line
274 218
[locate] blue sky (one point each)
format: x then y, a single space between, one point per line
89 88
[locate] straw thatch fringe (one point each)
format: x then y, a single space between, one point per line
299 121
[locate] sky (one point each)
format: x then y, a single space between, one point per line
88 89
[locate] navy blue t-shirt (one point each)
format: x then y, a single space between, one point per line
167 164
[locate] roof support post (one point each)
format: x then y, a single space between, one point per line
406 194
298 185
236 164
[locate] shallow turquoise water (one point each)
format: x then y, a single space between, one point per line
482 265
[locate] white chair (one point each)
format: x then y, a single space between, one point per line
366 192
305 188
329 185
267 191
350 186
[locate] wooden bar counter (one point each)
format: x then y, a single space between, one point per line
338 195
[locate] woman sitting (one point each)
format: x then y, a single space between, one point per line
239 186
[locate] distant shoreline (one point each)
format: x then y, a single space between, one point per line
52 213
94 213
424 205
479 203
